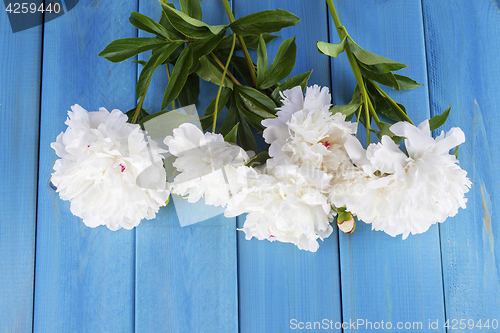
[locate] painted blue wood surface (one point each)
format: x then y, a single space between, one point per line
463 39
186 277
20 65
84 278
385 278
207 277
277 282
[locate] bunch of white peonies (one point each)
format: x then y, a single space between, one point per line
102 158
316 170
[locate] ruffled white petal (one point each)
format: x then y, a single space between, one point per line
102 156
286 204
201 159
401 194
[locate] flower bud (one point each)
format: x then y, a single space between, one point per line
346 222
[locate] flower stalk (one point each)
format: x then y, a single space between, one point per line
168 75
139 106
222 83
398 109
354 66
229 74
250 65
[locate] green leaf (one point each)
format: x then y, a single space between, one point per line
157 58
258 159
252 119
231 137
122 49
166 24
332 50
231 118
282 64
247 139
383 106
267 21
191 8
170 170
438 120
262 62
298 80
405 83
147 24
178 77
190 91
210 73
387 79
256 102
347 109
161 124
142 114
381 64
252 42
386 131
189 26
140 62
455 152
240 64
203 47
223 99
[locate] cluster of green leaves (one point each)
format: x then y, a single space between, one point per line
198 50
370 70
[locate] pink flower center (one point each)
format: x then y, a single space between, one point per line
122 166
326 144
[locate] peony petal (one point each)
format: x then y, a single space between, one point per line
356 151
317 97
418 139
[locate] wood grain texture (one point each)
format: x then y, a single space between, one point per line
20 66
461 39
186 277
207 277
385 278
277 282
84 279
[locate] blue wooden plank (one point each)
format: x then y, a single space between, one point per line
463 41
84 278
186 277
278 282
20 65
384 278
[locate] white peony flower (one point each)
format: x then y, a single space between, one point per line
200 161
306 133
287 204
402 194
101 157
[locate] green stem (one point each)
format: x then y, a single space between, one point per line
335 17
139 106
396 106
231 76
168 75
374 114
354 65
216 109
358 116
367 122
250 65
